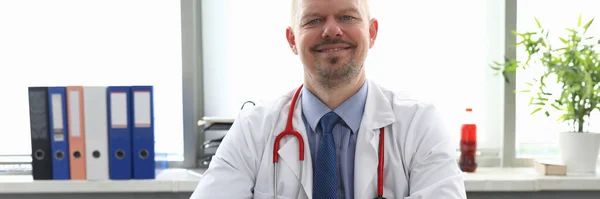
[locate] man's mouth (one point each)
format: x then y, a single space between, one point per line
332 49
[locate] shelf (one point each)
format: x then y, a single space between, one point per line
170 180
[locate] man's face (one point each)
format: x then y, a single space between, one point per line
332 38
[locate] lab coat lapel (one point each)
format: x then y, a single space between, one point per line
288 152
378 113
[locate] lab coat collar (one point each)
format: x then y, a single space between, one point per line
288 150
378 114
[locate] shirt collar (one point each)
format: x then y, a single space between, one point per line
351 110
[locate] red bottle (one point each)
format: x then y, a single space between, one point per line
468 143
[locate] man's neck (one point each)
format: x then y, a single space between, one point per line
333 96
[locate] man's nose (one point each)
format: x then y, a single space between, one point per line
332 29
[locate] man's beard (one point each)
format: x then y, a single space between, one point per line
331 75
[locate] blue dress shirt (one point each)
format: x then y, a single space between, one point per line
344 133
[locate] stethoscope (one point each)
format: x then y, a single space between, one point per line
289 130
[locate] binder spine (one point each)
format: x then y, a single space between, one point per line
96 133
76 118
144 164
59 132
41 155
119 132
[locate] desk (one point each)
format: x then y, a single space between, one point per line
489 183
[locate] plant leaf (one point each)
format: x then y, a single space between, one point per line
587 25
536 110
573 65
515 32
538 22
496 68
562 118
524 91
529 83
556 107
531 101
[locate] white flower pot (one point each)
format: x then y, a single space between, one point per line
579 152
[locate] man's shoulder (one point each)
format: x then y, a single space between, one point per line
403 103
400 99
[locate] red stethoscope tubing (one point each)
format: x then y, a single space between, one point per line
380 165
289 130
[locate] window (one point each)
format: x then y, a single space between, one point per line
59 43
537 135
437 53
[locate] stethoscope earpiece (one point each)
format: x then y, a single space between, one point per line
247 102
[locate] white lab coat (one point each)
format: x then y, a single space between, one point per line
419 156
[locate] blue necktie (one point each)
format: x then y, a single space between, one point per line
325 167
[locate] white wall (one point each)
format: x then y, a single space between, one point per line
71 42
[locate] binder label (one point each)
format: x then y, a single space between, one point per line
74 123
118 106
141 110
57 117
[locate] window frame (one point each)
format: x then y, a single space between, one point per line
192 34
509 156
193 90
509 152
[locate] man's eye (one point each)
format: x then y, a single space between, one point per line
314 21
346 17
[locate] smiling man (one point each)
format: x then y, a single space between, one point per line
361 139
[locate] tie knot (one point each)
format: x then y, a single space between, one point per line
328 121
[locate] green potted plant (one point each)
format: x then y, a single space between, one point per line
571 62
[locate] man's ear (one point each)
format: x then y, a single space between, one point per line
291 38
373 28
